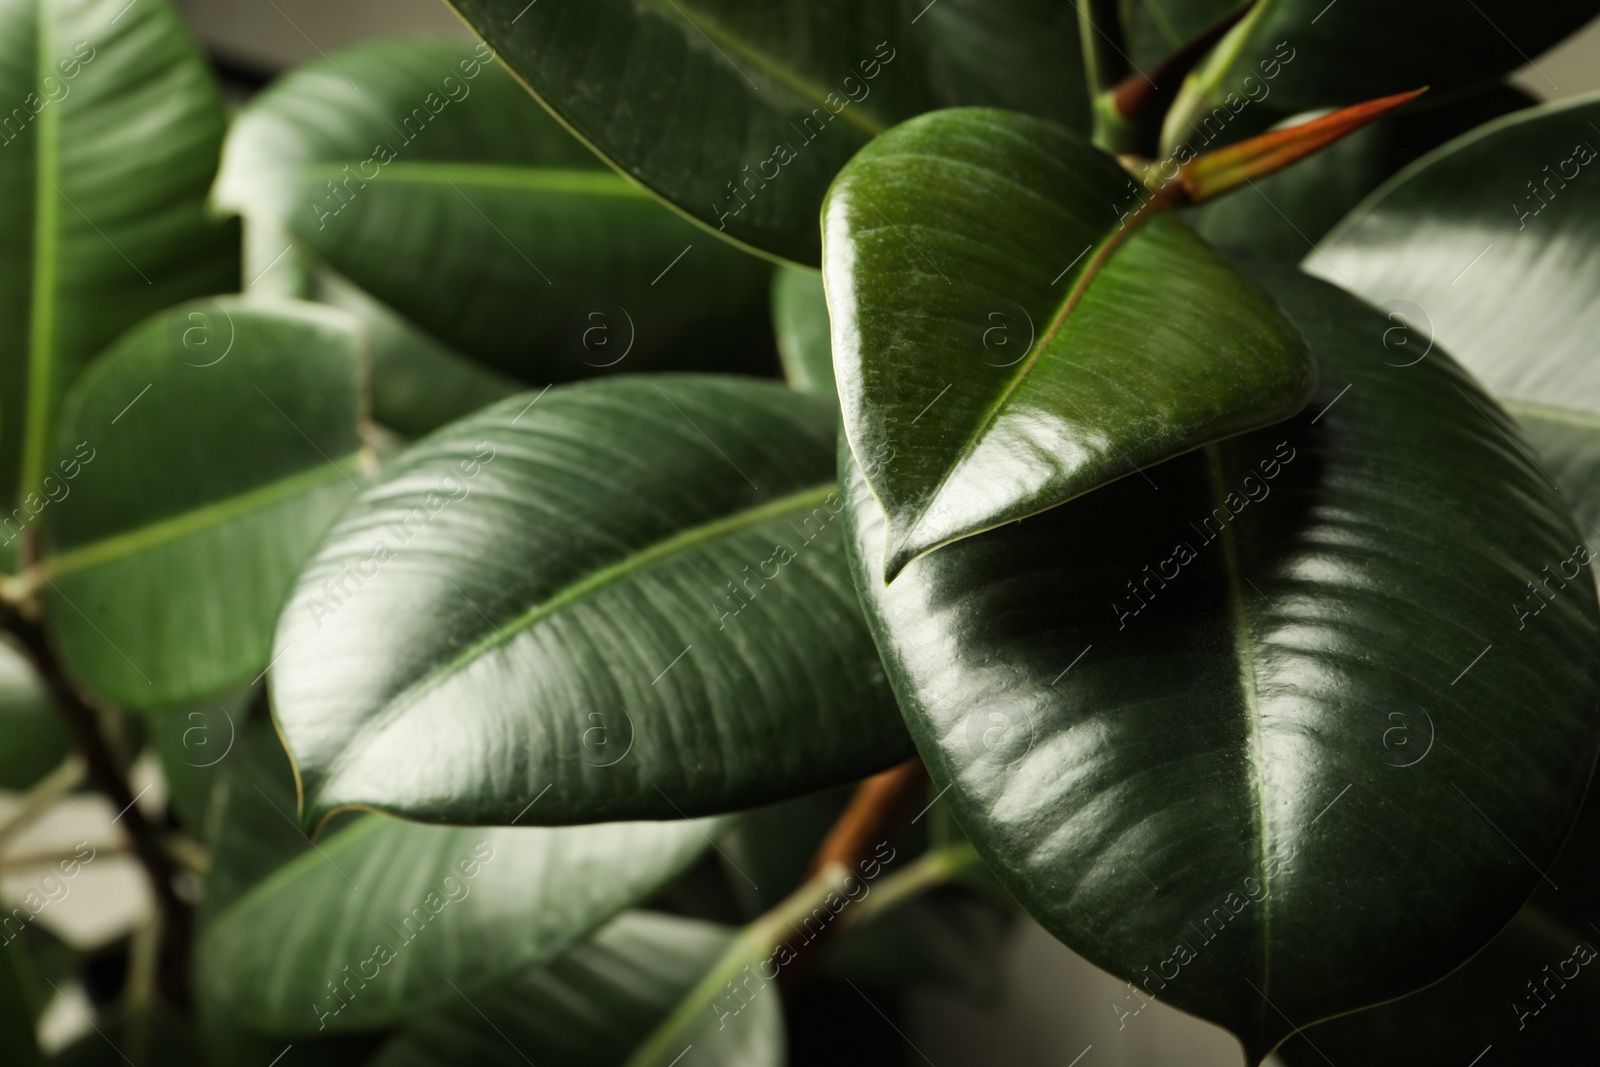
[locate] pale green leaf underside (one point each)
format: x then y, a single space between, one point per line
593 1006
475 905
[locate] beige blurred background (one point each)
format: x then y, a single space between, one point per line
1056 1010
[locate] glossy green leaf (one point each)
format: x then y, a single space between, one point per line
1490 247
1288 56
631 594
423 174
591 1007
378 920
108 140
1531 993
739 114
1209 731
1004 343
35 739
1285 215
199 460
800 316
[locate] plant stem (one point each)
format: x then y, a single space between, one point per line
24 860
1105 49
83 721
930 870
879 803
753 945
138 992
67 776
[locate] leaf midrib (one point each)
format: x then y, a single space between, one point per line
1080 285
183 524
851 114
584 180
1250 693
500 635
46 265
1539 409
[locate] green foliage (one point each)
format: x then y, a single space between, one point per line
1230 760
105 220
457 648
1247 637
200 458
985 378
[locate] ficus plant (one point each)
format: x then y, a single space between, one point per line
637 539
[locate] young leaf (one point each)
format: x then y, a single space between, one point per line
199 460
377 923
739 114
109 137
1208 735
1004 342
426 176
591 1007
1487 247
1221 171
627 598
1286 215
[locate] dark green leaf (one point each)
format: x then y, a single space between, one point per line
108 142
739 114
1289 56
199 460
426 176
591 1007
380 919
35 738
800 315
1003 343
631 594
1209 733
